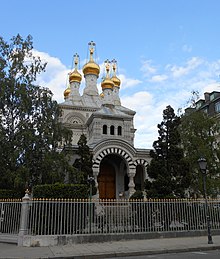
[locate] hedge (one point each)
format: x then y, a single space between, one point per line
11 194
138 195
61 191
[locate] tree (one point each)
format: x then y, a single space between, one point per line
83 165
30 131
199 134
168 169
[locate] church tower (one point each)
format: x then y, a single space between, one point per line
107 86
75 79
91 72
117 83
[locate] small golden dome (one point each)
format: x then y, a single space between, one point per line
114 78
66 92
91 67
75 76
116 81
102 95
107 83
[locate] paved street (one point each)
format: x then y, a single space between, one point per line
192 255
168 248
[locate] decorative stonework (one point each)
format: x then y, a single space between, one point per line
117 151
141 162
75 118
108 126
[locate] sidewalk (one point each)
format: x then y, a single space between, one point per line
111 249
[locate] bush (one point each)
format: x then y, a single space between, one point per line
11 194
61 191
138 195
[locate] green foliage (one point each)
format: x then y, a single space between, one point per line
199 139
168 169
138 195
10 194
30 131
83 165
61 191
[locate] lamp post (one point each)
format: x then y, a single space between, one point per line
203 167
90 181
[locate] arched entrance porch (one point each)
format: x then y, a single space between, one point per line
113 178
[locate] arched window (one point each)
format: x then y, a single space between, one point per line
139 178
119 130
104 129
112 130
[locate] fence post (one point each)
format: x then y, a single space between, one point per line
24 218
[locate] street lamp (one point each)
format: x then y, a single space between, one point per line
90 181
203 167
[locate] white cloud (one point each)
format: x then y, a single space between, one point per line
55 77
210 88
159 78
172 86
139 100
146 118
128 82
147 68
178 71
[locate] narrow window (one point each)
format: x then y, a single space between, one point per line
112 130
104 129
119 130
217 107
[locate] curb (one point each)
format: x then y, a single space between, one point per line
136 253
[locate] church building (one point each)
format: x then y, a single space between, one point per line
118 167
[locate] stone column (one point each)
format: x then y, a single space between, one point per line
24 218
131 184
145 175
95 175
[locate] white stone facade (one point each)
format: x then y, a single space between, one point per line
118 166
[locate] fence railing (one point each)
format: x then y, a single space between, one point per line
10 212
71 217
56 217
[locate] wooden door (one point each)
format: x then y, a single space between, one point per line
106 181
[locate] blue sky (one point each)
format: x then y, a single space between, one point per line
164 48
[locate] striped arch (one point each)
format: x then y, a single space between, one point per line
141 162
115 151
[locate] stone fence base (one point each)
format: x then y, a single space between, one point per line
59 240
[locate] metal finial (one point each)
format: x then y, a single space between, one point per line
107 67
76 60
91 50
92 43
114 66
114 61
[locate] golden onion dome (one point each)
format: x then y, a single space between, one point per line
102 95
116 81
91 67
75 76
107 83
66 92
114 78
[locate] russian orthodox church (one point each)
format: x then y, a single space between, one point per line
119 168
